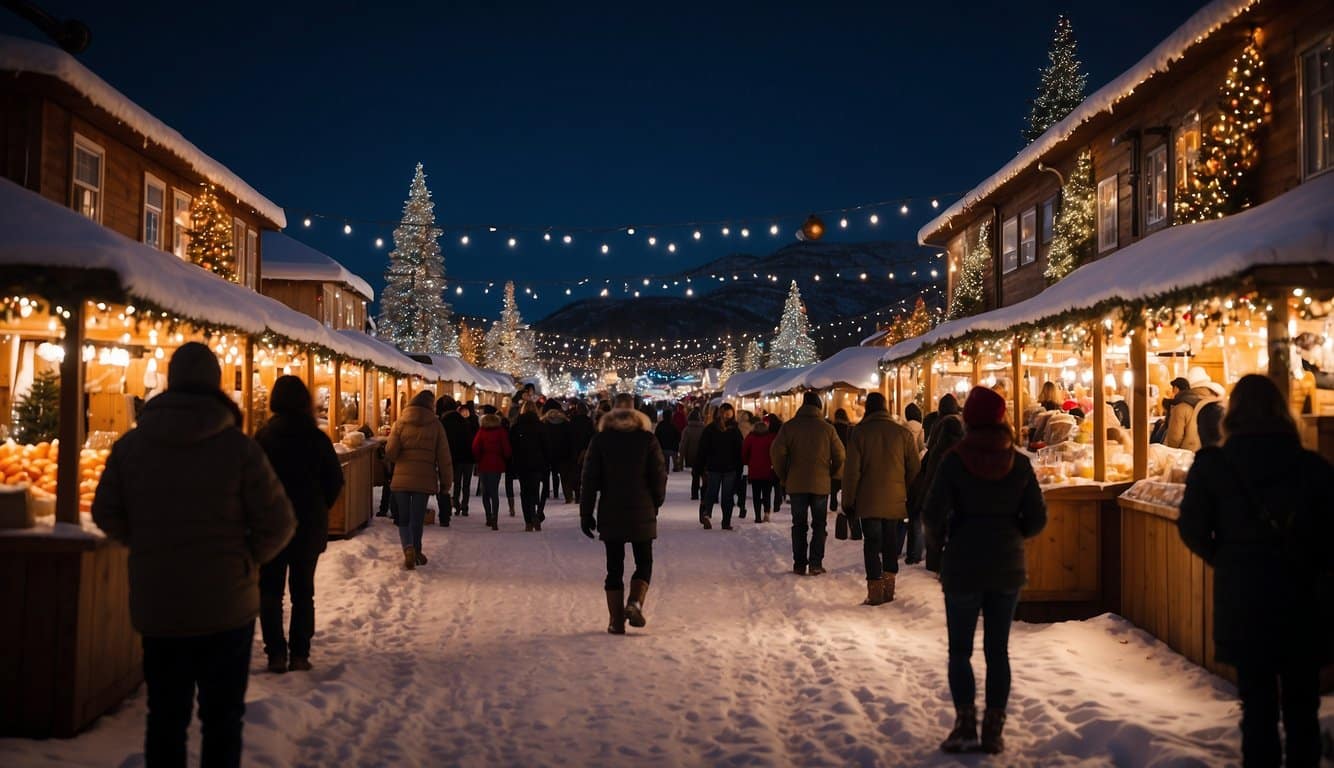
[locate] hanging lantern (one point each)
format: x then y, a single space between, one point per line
812 230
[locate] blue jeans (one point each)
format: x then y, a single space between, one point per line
721 488
961 610
491 495
817 507
880 546
411 517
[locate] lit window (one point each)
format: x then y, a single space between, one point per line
1010 245
1048 220
180 223
1107 202
89 160
155 202
1317 88
330 313
1155 187
251 257
238 249
1187 150
1028 237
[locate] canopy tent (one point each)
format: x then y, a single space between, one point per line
854 367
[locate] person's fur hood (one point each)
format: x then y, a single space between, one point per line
490 421
554 416
625 420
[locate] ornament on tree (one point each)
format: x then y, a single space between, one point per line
1061 87
793 346
413 313
812 229
211 235
1076 223
970 289
37 414
509 343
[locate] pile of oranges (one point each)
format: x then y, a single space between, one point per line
36 466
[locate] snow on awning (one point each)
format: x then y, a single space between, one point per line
19 55
766 381
286 258
1197 28
856 367
1295 228
383 354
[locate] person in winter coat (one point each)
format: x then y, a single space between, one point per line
491 450
760 468
625 482
775 423
669 438
690 437
582 430
460 432
983 503
745 422
558 442
807 456
912 416
918 545
680 417
881 466
529 463
200 509
719 454
1182 430
842 426
1260 510
423 468
304 459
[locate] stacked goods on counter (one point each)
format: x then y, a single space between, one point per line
34 466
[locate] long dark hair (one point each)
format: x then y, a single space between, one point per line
1257 407
291 398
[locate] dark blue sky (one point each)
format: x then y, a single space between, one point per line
598 114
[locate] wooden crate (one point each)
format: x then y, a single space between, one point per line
1073 564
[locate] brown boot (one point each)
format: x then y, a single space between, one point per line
875 592
993 723
634 608
616 610
964 736
409 558
888 581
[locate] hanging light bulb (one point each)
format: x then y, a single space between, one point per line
605 249
812 229
773 229
726 231
463 240
652 240
903 209
935 203
697 235
379 242
513 242
347 229
745 232
630 231
875 218
306 222
671 247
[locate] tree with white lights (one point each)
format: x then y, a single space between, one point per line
413 312
509 343
1076 223
793 346
753 359
970 288
728 368
1061 87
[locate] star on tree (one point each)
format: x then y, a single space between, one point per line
970 289
1076 223
1061 87
793 346
413 312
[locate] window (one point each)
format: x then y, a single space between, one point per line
1107 214
1155 187
1317 89
1187 150
155 204
180 223
1048 220
238 249
330 308
251 257
1028 236
89 160
1010 245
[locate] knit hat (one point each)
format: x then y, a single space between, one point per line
811 398
983 408
875 402
194 368
1196 376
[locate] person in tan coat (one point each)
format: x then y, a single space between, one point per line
807 455
882 464
419 449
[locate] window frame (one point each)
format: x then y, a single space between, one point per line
1184 162
1009 245
153 182
238 249
251 256
91 147
1108 237
1325 40
1156 183
330 313
1031 256
180 230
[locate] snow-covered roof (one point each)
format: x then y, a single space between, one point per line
1295 228
1197 28
20 55
453 368
286 258
383 354
857 367
765 381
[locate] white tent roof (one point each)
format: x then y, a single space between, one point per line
452 368
286 258
765 381
1294 228
858 367
19 55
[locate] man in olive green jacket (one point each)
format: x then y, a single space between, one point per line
806 456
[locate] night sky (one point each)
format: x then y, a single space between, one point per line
598 115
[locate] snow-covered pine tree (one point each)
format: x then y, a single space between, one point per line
37 414
509 343
1061 87
753 360
1221 183
793 346
1076 223
970 289
728 367
211 234
413 312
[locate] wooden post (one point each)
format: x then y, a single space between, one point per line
1139 406
71 417
335 398
1099 409
977 367
898 391
1280 346
1017 383
248 383
310 372
928 393
393 407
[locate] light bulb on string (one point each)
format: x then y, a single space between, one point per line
745 232
773 229
546 236
935 203
903 209
843 223
630 231
652 240
513 242
379 242
697 235
463 240
605 248
671 247
347 229
875 218
306 222
726 231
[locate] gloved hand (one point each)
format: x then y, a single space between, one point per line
588 525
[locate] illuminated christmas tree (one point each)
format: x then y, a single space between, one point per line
1061 87
793 346
970 288
1076 223
37 414
509 343
1222 183
467 343
211 235
728 367
753 359
413 313
917 323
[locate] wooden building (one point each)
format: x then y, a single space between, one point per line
314 284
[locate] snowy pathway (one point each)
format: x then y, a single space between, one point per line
495 654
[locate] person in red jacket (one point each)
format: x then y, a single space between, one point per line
755 455
491 451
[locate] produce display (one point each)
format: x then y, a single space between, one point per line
1155 492
1071 463
35 467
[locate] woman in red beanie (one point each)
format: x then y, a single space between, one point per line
983 503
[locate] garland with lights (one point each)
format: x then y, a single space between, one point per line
1076 222
210 243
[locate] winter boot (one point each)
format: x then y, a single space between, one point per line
875 592
993 722
766 516
277 663
300 664
964 736
421 559
855 528
708 524
634 608
527 527
888 590
616 610
409 558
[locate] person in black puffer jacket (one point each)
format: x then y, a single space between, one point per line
459 430
670 440
625 482
582 430
719 453
529 463
304 459
983 503
558 439
1260 510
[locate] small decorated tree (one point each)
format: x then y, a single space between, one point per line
37 414
728 367
917 323
1076 223
211 235
970 289
1061 87
753 360
793 346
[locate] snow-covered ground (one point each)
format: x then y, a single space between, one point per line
495 654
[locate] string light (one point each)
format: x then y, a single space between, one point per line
379 242
513 242
347 229
875 218
463 240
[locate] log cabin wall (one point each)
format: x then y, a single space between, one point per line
309 297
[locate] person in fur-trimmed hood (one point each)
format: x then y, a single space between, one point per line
624 484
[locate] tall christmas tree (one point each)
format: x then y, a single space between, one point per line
37 414
728 367
1222 182
793 346
211 234
917 323
1061 87
509 343
413 312
970 288
753 360
1076 223
467 343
